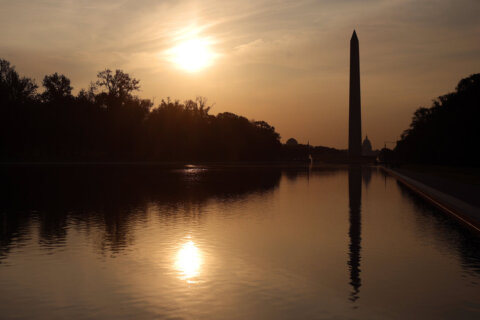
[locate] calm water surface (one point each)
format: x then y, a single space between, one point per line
228 243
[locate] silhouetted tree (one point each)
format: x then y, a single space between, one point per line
57 88
448 132
18 97
107 122
118 84
386 156
14 89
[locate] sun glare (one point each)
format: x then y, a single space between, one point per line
188 261
192 54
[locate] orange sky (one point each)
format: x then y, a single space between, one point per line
285 62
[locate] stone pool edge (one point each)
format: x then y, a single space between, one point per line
459 209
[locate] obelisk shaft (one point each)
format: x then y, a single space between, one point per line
355 119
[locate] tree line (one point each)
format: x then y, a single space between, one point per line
447 133
108 122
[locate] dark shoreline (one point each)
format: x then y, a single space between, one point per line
170 164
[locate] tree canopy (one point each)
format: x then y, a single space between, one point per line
107 122
57 87
448 132
14 89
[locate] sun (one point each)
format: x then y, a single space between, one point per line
192 55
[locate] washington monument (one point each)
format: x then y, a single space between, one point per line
355 118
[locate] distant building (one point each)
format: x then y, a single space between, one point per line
292 142
367 147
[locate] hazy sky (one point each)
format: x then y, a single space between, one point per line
285 62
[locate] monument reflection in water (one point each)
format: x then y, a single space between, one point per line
355 231
228 243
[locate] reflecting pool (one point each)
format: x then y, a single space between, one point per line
211 242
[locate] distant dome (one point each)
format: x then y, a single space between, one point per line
291 142
366 147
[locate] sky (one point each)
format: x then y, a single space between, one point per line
284 62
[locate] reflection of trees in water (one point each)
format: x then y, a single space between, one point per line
294 173
13 228
52 228
113 198
354 232
448 233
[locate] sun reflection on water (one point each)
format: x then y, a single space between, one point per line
188 261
